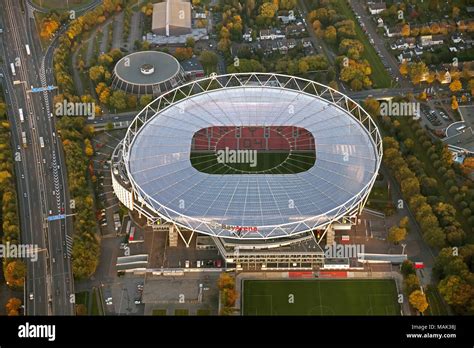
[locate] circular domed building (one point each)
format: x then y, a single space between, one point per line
147 72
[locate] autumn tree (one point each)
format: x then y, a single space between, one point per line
454 103
145 100
411 283
12 307
48 28
15 272
226 281
88 149
330 34
457 293
418 300
268 9
147 9
230 296
406 30
396 234
455 86
183 53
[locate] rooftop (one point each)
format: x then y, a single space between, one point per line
129 67
159 163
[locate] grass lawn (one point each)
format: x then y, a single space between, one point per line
95 310
380 191
159 312
380 75
203 312
268 163
436 305
82 298
181 312
320 297
61 4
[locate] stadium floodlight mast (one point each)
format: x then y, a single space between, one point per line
334 105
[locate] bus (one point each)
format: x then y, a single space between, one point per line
22 118
23 139
41 142
12 66
28 52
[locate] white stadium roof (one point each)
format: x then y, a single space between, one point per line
348 154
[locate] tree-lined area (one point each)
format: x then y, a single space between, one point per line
14 269
76 136
440 195
357 62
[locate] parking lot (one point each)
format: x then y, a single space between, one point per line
107 203
193 293
123 297
181 256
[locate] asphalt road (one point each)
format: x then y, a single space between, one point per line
41 185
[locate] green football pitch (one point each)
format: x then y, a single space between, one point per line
266 163
320 297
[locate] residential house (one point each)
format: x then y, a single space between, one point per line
200 15
306 41
405 56
247 36
288 19
294 30
431 40
376 8
456 37
271 34
395 31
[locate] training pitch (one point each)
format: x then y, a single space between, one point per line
320 297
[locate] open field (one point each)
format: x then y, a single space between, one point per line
62 4
320 297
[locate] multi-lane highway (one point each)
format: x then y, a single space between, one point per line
41 173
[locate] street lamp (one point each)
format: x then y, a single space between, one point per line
403 248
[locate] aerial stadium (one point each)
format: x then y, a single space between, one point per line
147 72
267 165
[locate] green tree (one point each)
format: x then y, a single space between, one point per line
411 283
407 268
145 100
456 292
118 100
209 60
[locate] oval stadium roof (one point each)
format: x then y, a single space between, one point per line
252 205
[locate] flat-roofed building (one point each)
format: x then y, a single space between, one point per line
172 18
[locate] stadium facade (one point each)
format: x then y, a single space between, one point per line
319 154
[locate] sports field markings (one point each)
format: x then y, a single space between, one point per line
374 296
377 303
320 310
271 302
